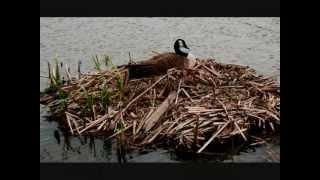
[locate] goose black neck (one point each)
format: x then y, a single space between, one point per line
181 48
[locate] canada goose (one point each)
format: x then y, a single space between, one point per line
159 64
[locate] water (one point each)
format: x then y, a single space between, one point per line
248 41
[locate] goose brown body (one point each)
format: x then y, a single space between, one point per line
165 61
157 65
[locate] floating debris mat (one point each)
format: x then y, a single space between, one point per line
190 108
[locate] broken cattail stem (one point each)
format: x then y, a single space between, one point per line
67 69
49 73
94 112
76 125
154 98
196 131
79 69
130 59
69 124
134 128
271 125
120 131
150 122
102 124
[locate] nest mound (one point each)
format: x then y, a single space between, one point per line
190 108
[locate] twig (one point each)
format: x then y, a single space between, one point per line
102 124
155 52
155 135
175 121
143 120
115 134
186 93
212 138
196 131
231 87
182 125
95 122
240 131
202 110
258 143
176 101
212 71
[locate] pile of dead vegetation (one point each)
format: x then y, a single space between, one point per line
189 109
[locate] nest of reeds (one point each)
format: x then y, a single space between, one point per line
189 109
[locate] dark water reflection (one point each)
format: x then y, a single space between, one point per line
249 41
59 147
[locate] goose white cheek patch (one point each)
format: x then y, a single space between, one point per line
184 50
192 60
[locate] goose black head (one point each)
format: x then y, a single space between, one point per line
181 48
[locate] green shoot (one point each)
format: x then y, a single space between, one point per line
105 97
119 85
90 100
51 89
50 73
119 126
107 61
54 77
63 97
97 63
62 94
57 73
